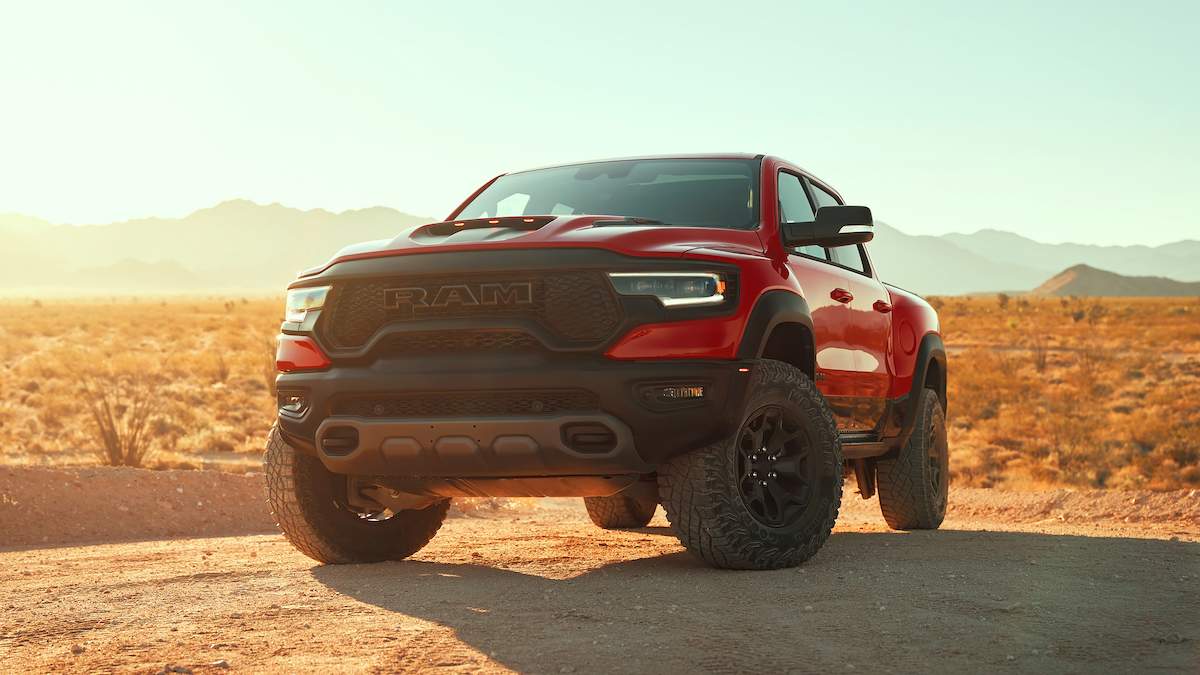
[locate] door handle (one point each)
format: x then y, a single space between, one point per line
882 307
841 295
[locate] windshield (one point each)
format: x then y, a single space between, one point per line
684 192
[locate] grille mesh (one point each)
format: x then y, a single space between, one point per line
483 404
434 342
573 305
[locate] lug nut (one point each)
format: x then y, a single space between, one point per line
762 483
772 475
754 474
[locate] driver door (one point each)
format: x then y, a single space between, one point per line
826 289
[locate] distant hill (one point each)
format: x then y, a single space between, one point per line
1089 281
133 275
234 244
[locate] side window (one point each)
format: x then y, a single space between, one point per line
822 197
793 202
850 256
812 252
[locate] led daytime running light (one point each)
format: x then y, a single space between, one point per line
301 300
673 289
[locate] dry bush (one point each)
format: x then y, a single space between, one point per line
122 397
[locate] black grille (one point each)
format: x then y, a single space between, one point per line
483 404
435 342
573 305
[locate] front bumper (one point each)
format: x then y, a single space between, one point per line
644 433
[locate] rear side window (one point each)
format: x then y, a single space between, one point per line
848 256
822 197
793 202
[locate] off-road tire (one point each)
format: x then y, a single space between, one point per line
703 494
913 487
619 513
309 505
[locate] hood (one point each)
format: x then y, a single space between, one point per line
634 237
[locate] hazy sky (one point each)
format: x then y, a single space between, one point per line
1062 121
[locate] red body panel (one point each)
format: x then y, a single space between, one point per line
299 353
913 319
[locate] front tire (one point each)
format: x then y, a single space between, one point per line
619 513
310 508
913 487
766 497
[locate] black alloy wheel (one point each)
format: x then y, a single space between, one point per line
776 472
767 495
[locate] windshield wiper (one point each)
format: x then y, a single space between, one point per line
627 221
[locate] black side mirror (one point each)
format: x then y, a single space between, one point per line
834 226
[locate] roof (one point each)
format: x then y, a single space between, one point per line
706 155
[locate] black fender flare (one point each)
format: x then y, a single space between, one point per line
772 309
931 349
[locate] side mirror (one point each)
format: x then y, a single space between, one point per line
834 226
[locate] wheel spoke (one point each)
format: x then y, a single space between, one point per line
759 497
780 437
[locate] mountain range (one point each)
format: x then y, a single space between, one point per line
244 245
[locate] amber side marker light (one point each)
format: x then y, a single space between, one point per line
512 222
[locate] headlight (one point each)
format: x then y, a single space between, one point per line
300 300
673 289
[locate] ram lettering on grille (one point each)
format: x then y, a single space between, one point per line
459 294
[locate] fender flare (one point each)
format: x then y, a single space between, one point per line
772 309
931 349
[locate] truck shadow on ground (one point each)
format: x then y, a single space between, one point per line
950 600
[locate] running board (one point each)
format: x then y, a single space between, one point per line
861 450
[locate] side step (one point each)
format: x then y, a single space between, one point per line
859 445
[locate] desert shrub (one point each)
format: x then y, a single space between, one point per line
122 397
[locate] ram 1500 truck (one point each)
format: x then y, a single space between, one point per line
703 332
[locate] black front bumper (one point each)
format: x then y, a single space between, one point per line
646 432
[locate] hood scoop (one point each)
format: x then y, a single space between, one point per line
479 229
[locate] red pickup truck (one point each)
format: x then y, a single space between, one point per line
703 332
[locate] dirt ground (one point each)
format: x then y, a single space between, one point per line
1048 582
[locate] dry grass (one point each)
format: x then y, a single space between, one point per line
1043 392
186 382
1078 392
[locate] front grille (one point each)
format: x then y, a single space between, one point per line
468 404
457 341
574 305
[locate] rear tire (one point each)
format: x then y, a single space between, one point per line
619 513
310 508
913 487
766 497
